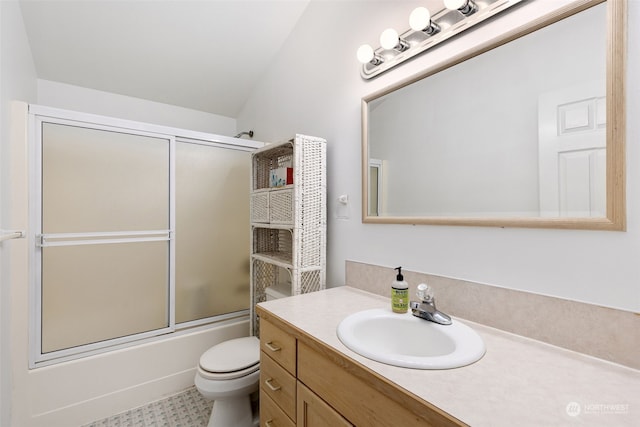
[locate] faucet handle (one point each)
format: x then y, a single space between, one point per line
424 292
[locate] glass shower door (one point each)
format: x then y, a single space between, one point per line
212 242
105 242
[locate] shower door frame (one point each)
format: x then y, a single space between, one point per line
36 117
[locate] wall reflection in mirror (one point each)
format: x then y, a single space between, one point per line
517 132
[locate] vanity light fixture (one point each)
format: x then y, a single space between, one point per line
465 7
426 31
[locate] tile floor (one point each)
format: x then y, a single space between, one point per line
185 409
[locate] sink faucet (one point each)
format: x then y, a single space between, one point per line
426 308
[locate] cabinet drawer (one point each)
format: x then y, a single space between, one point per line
271 415
278 345
278 384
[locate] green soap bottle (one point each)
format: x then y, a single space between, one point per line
399 293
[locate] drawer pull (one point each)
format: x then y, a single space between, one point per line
272 347
271 386
268 423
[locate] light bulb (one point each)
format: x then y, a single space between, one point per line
454 4
389 38
365 53
465 7
420 19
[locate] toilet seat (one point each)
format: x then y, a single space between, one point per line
227 375
231 359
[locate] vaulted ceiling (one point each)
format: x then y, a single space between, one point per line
202 54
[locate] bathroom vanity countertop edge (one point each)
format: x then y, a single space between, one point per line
519 380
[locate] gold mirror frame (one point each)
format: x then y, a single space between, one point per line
615 219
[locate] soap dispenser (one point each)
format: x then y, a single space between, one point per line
399 293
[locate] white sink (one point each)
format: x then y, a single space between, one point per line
410 342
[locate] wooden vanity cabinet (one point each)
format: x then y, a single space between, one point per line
305 383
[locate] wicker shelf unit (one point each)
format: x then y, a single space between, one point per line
288 223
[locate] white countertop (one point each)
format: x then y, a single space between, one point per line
519 381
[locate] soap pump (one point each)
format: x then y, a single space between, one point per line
399 293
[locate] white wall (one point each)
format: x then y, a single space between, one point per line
17 81
76 98
314 87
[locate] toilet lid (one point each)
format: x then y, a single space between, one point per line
230 356
228 375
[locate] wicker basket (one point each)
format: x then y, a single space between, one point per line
281 209
260 207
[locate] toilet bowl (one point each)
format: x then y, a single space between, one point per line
227 374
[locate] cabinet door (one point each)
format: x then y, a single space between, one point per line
314 412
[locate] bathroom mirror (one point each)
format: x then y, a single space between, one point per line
524 131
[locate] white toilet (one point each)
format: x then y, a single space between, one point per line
227 374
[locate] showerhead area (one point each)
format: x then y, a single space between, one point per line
249 133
